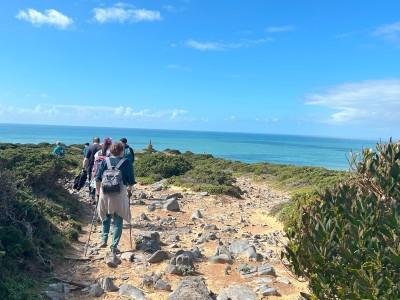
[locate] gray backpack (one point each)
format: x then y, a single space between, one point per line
111 180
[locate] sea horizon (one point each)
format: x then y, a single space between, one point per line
248 147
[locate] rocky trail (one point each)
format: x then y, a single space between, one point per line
184 246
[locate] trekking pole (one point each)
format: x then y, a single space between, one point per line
130 218
91 227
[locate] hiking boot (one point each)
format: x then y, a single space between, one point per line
115 250
103 244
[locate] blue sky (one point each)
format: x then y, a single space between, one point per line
326 68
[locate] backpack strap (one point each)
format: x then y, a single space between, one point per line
109 166
120 163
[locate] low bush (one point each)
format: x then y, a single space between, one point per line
347 241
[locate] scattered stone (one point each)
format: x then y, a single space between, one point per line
158 256
283 280
51 295
222 250
171 205
192 288
220 259
128 290
181 264
142 195
96 291
124 277
196 215
202 194
107 284
266 290
266 269
128 256
243 247
210 227
111 260
237 292
147 281
144 217
227 270
148 243
196 253
158 186
176 195
172 239
229 230
162 285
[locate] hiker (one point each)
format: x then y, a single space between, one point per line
114 205
85 149
58 150
128 152
88 161
98 158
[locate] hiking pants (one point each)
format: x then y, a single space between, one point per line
117 231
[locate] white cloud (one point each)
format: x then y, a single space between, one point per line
206 46
280 28
119 14
390 32
222 46
49 17
375 102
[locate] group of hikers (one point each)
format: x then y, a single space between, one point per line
105 164
109 169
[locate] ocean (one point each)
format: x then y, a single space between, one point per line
330 153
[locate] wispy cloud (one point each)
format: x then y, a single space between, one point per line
49 17
87 112
38 110
374 102
174 9
272 29
390 32
120 14
223 46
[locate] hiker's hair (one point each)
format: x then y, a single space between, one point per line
96 139
117 149
104 148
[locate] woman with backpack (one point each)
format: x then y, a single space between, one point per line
114 204
99 156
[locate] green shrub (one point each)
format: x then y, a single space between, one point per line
347 242
159 165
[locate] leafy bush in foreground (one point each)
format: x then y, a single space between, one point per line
347 242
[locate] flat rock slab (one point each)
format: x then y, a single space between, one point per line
237 292
132 292
192 288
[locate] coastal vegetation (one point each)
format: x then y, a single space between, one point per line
343 226
346 241
38 215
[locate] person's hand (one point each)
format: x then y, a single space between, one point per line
129 188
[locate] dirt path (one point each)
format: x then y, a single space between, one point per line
248 217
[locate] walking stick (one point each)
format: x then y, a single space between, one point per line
130 218
91 227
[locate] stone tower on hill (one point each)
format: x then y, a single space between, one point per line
149 147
